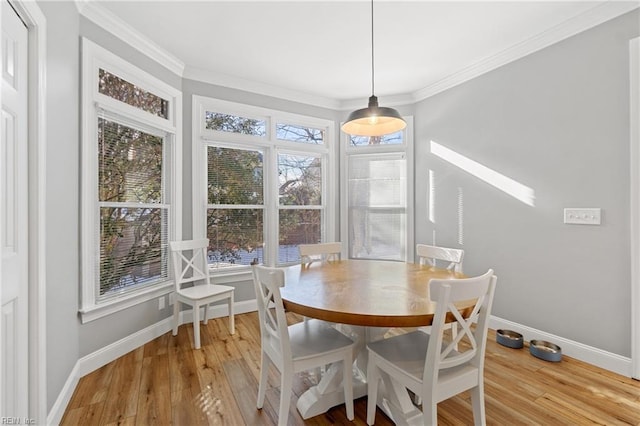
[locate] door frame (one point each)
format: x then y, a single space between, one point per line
634 110
35 21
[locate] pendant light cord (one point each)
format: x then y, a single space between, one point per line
372 61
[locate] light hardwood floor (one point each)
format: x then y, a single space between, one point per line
166 382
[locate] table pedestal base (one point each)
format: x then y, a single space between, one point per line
393 398
313 402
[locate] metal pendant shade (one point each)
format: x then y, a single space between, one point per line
373 120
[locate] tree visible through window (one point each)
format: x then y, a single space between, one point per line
132 240
235 214
239 202
117 88
300 199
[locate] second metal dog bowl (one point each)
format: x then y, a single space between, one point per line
509 338
545 350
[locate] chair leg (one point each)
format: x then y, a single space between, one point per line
196 325
206 314
232 319
477 402
264 374
372 390
176 316
286 383
429 410
347 378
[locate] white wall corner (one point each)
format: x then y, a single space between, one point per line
634 166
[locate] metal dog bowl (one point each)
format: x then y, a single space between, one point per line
545 350
509 338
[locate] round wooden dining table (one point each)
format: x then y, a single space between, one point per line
367 298
372 293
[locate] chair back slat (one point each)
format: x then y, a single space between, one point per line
321 251
273 322
441 354
431 255
190 262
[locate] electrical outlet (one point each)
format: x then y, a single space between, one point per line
161 303
582 216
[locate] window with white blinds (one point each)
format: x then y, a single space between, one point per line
379 196
235 206
134 215
377 206
130 180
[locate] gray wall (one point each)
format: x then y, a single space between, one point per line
556 121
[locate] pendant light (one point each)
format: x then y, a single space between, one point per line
373 120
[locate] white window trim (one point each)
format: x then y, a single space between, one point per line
272 146
407 149
95 57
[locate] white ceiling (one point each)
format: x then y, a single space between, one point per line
322 50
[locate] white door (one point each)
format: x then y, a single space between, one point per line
14 337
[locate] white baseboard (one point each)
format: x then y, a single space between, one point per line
603 359
103 356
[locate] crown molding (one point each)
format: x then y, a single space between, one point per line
114 25
257 87
595 16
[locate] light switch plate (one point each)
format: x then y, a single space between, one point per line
582 216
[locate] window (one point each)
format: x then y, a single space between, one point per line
130 173
263 177
300 203
379 201
235 206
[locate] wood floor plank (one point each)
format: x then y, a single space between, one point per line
216 400
154 398
245 388
185 409
87 415
166 381
122 399
182 367
93 387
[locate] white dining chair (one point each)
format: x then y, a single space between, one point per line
295 348
324 252
193 284
434 255
446 257
427 364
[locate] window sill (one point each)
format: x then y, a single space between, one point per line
95 311
232 276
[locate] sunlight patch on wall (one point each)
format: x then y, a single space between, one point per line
432 197
460 216
507 185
